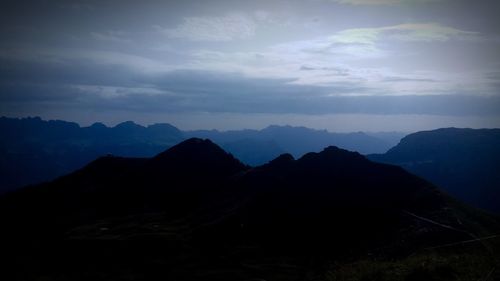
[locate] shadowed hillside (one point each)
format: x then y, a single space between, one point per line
464 162
194 212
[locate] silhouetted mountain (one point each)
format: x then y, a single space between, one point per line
294 140
194 212
194 162
33 150
464 162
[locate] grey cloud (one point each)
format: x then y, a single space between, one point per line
407 79
333 70
64 74
224 28
208 91
495 76
111 36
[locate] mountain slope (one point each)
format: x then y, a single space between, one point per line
335 196
464 162
116 186
298 140
33 150
194 212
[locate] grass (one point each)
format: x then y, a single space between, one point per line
424 266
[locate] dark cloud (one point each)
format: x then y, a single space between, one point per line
108 56
205 91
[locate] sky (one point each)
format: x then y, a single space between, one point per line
340 65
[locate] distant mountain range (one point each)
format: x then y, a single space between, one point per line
194 212
295 140
33 150
463 162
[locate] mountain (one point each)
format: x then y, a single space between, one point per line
294 140
194 212
464 162
33 150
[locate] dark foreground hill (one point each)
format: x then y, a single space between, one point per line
463 162
194 212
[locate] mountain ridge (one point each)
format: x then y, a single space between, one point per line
33 150
463 162
126 216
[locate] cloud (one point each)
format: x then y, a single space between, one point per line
277 83
425 32
273 98
368 2
362 36
112 92
370 43
337 71
330 65
114 36
383 2
218 29
76 56
316 63
407 79
188 91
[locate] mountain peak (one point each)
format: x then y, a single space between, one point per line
128 125
195 144
198 154
195 149
339 152
335 155
162 126
283 161
283 158
98 125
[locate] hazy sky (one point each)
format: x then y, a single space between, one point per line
343 65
